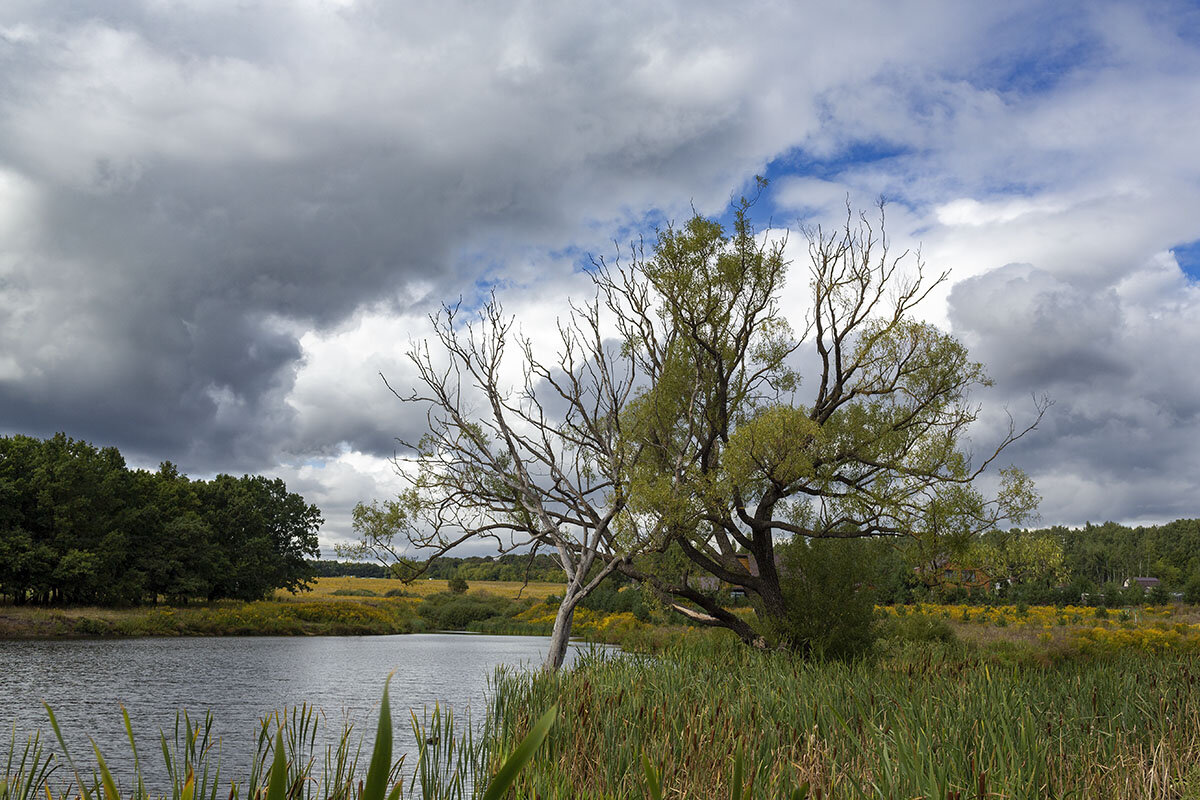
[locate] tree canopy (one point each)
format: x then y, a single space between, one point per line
686 428
77 526
742 451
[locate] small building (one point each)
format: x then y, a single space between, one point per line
1144 583
953 575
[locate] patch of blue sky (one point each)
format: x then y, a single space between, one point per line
640 223
484 285
1188 257
1037 69
852 156
579 258
801 163
1040 48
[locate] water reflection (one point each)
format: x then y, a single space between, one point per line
241 680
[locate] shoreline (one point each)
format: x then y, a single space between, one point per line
224 618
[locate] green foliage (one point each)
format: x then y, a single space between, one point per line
1191 592
733 459
338 569
1110 553
920 628
1018 556
457 585
458 612
830 607
78 527
615 595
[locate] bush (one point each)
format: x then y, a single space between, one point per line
916 628
1191 592
830 612
458 585
395 593
354 593
455 612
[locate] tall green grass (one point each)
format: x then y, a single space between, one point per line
930 721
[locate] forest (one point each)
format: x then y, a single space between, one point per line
77 526
507 567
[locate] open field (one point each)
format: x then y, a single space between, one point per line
325 588
362 608
1054 632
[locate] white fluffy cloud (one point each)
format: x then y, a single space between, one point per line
220 221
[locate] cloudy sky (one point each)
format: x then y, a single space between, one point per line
219 220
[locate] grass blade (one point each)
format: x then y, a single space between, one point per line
83 790
106 778
507 774
278 780
653 779
381 758
137 766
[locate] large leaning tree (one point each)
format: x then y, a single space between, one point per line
526 452
685 429
749 434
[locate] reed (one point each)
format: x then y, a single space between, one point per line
933 721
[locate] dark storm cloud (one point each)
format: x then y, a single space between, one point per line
1119 441
205 182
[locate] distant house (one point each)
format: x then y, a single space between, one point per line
953 575
1145 583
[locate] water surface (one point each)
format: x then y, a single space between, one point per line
242 679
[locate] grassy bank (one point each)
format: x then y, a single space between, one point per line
334 606
329 588
265 618
925 720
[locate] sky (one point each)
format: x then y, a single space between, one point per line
221 221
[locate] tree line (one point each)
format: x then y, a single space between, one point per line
77 526
539 568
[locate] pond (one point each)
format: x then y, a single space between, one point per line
242 679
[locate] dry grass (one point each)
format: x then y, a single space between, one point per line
324 588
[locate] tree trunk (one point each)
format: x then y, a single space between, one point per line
561 635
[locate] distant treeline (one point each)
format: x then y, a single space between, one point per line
1096 560
1110 553
77 526
509 567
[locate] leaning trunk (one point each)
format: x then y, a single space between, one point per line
560 637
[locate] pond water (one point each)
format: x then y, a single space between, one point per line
243 679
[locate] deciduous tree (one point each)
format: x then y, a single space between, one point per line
521 451
739 451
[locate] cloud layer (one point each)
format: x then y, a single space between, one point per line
219 221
